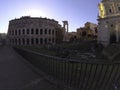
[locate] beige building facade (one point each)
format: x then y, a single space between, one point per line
109 22
89 30
32 31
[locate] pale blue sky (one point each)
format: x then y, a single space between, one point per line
77 12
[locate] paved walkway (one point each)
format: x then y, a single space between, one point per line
16 75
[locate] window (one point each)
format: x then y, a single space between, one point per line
41 31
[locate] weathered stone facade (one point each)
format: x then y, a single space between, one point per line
109 22
89 30
32 31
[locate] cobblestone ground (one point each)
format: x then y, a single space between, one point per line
16 75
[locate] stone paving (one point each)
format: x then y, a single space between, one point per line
16 75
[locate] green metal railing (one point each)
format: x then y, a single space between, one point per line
77 75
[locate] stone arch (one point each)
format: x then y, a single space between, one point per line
19 41
15 41
41 31
23 31
37 31
28 41
32 41
28 31
41 40
49 40
53 40
36 41
113 38
23 41
49 31
45 31
45 40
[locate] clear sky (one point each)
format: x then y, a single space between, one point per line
77 12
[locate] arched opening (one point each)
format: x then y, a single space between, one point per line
41 31
45 31
23 41
19 42
45 40
41 40
28 41
49 40
37 31
37 41
32 41
15 41
112 38
53 40
28 31
49 31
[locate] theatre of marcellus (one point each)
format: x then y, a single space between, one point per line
34 31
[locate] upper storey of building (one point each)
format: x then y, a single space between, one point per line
26 21
109 8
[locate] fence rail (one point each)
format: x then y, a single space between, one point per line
78 75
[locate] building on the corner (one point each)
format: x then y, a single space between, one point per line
89 30
109 22
34 31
